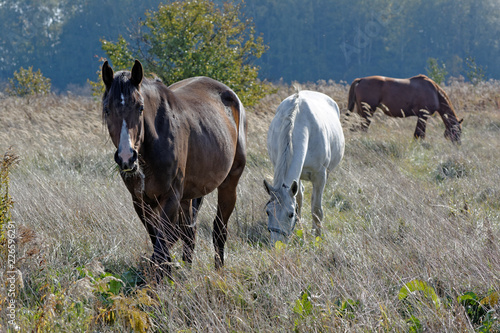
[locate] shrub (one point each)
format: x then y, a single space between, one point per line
435 71
27 83
475 72
451 169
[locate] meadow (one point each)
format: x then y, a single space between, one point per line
410 237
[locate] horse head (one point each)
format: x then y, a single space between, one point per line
123 107
281 210
453 131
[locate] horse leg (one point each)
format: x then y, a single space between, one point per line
167 234
148 217
319 182
190 210
366 111
421 124
196 207
226 200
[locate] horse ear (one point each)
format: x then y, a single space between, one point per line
137 73
107 74
268 187
294 188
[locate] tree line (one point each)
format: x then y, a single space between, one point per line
344 39
308 40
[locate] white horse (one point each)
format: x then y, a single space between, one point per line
305 142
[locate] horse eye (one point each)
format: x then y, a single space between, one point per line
290 215
141 108
267 212
106 110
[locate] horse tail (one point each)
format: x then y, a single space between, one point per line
230 99
352 95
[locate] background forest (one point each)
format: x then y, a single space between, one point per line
308 40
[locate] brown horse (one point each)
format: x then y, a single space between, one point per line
174 145
417 96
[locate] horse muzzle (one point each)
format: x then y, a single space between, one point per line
127 162
277 235
279 232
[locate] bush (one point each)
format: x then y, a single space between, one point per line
435 71
475 73
196 38
27 83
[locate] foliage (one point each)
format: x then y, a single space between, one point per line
475 73
309 40
31 31
97 87
61 37
305 309
49 32
196 38
8 161
349 39
435 71
122 60
347 308
480 310
90 303
417 286
28 83
303 305
118 304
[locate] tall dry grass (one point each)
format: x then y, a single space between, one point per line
395 211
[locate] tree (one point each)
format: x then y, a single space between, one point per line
185 39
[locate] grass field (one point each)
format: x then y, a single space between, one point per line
410 243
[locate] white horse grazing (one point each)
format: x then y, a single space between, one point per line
305 142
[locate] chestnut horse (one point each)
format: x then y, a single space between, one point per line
174 145
417 96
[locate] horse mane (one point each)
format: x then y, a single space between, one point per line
445 101
285 141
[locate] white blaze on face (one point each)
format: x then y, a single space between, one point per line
123 99
125 146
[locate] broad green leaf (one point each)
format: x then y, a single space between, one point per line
115 286
467 296
415 286
303 305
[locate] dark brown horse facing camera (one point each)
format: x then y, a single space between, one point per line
174 145
417 96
